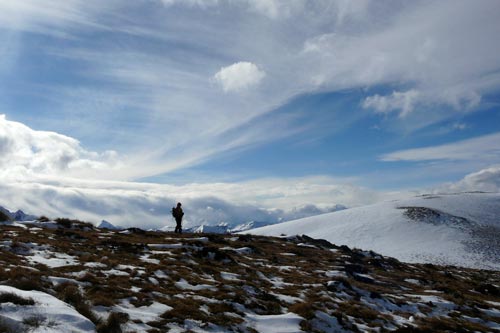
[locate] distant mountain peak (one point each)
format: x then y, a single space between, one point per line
107 225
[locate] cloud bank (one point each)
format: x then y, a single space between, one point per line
148 205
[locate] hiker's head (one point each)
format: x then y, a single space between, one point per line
179 204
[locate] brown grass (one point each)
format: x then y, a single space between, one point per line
15 299
469 289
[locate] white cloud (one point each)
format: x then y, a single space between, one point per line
484 148
147 205
487 180
25 151
444 50
447 61
404 101
239 76
270 8
277 8
51 17
460 126
191 3
52 174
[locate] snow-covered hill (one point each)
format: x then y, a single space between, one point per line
456 229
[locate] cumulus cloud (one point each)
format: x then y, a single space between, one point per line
484 148
25 151
239 76
487 180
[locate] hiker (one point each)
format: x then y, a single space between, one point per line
177 213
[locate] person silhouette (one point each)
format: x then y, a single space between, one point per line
177 213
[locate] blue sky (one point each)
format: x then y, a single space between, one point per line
367 97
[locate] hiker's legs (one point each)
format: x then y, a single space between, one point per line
179 226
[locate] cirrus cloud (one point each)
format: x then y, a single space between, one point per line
486 148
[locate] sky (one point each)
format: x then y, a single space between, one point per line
244 110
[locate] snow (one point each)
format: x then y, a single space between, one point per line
143 313
160 274
229 276
52 259
284 323
287 299
184 285
55 316
115 272
384 228
166 246
413 281
147 259
95 265
327 323
55 280
243 250
336 274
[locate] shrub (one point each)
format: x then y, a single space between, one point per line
15 299
64 222
304 309
34 321
113 324
69 293
24 279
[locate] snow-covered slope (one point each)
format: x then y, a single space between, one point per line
35 311
457 229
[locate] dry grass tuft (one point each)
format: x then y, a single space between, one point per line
113 323
15 299
70 293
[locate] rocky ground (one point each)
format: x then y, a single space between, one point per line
138 281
